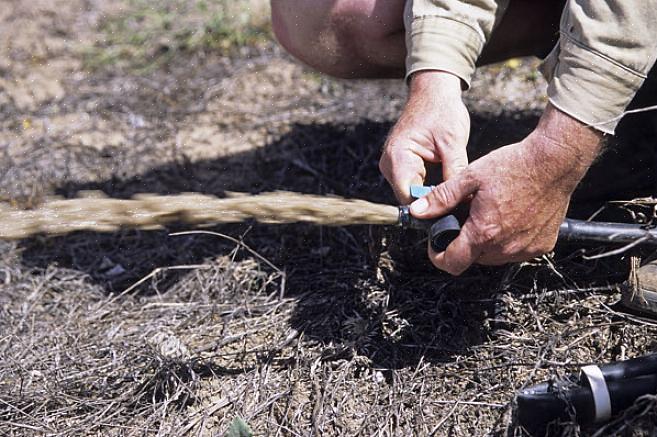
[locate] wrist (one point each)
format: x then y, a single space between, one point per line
583 142
435 81
567 146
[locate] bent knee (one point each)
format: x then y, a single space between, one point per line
285 25
335 37
319 35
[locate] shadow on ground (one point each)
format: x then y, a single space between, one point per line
353 296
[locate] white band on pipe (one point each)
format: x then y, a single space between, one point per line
601 399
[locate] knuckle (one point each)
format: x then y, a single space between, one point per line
519 251
456 271
389 163
512 250
541 248
457 166
395 136
543 245
437 261
490 233
450 146
390 145
552 242
387 145
447 266
392 154
456 266
467 178
442 194
384 165
387 174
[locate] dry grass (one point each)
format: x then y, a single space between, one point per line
296 329
329 347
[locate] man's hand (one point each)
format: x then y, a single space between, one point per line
433 128
520 194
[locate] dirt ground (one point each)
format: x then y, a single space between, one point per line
295 329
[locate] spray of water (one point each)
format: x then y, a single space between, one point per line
95 212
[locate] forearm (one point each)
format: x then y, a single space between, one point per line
569 147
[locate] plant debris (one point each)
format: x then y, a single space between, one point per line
293 328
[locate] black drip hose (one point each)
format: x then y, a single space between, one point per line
581 231
444 230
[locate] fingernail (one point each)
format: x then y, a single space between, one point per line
419 206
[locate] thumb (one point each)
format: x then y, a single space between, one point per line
454 160
445 197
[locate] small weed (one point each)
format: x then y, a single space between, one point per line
239 428
147 35
533 76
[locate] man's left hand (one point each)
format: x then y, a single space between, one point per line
520 194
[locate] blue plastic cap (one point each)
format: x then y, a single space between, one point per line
418 191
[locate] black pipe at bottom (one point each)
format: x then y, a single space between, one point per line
542 404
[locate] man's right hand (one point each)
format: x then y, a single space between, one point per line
433 128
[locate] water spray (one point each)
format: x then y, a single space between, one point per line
93 211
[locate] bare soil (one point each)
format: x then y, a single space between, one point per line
296 329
